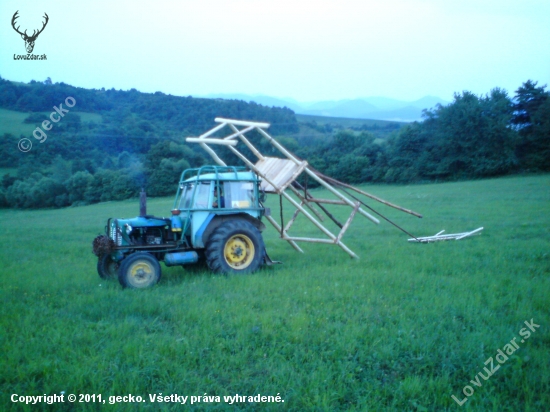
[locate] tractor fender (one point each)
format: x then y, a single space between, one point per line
220 219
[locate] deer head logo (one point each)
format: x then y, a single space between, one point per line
29 40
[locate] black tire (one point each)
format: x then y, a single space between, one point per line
107 268
235 246
139 270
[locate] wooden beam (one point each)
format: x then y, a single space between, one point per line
291 221
242 122
212 131
213 154
211 141
329 201
309 239
250 165
319 225
348 222
238 132
385 202
278 228
306 202
247 143
341 196
324 209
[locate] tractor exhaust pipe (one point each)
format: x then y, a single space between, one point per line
142 203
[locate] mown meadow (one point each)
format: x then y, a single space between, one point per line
403 328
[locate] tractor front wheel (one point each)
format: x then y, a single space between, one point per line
139 270
235 247
107 268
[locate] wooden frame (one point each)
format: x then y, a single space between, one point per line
279 175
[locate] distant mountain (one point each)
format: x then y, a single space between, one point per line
259 99
378 107
356 109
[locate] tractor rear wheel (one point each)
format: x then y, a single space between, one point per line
107 268
235 247
139 270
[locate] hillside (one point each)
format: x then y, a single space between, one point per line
158 113
108 144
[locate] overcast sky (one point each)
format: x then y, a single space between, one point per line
303 49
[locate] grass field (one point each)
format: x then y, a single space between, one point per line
7 170
402 329
13 122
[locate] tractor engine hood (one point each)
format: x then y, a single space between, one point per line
144 221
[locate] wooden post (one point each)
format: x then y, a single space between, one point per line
247 143
306 202
346 225
278 228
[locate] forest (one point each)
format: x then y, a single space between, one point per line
136 140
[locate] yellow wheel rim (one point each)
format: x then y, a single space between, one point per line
239 252
141 272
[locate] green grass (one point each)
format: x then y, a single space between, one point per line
6 170
403 328
12 121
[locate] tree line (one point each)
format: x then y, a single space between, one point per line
139 142
472 137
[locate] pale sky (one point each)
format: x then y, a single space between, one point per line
303 49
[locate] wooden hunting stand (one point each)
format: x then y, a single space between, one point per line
279 175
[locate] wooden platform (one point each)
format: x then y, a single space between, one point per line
280 172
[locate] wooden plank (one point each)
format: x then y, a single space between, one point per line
279 173
294 176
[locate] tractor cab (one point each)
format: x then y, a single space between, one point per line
213 193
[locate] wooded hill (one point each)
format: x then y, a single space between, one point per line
113 142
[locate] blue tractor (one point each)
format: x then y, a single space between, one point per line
216 216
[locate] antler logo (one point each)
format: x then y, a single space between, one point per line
29 40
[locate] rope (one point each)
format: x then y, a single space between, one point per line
379 214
